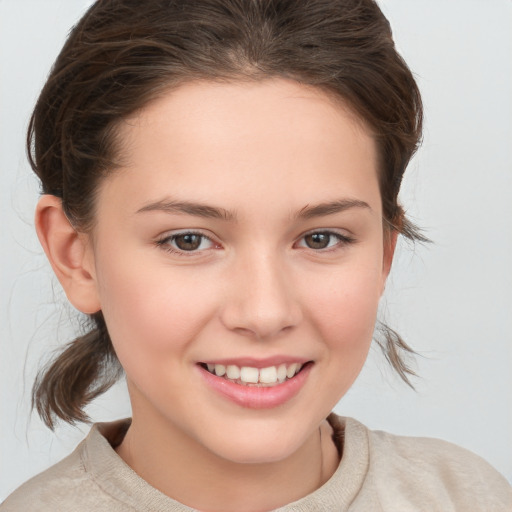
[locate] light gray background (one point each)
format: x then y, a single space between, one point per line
452 300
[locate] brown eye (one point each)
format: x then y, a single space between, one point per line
188 241
318 240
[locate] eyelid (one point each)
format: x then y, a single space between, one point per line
343 239
163 242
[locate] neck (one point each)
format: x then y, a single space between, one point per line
178 466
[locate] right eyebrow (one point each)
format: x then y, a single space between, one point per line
189 208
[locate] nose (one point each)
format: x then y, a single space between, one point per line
261 301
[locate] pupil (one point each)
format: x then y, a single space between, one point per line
318 240
188 242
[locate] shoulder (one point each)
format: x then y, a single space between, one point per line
430 474
67 486
58 488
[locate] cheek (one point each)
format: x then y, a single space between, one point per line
151 315
344 309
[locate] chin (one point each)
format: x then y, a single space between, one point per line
257 453
257 446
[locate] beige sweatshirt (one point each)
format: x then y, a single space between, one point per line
377 472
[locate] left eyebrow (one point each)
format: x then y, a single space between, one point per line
331 207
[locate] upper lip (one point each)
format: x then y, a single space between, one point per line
257 362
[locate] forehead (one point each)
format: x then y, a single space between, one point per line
224 139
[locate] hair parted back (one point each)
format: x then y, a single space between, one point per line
124 53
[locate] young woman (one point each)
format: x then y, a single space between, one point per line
220 183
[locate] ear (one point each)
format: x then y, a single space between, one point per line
69 254
390 239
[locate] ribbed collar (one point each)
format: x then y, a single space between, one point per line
118 480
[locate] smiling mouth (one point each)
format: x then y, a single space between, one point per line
251 376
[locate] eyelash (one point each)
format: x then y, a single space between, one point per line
165 242
342 240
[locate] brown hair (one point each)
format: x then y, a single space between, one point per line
124 53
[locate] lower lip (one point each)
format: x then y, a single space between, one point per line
256 397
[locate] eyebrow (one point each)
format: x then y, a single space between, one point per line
214 212
330 208
188 208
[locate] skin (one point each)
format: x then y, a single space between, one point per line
263 153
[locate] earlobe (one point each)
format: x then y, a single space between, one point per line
68 253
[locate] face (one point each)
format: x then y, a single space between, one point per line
244 235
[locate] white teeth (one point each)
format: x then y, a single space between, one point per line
220 369
232 372
281 373
268 375
292 370
248 374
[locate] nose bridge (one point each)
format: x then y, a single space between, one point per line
261 302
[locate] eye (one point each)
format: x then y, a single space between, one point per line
186 242
319 240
